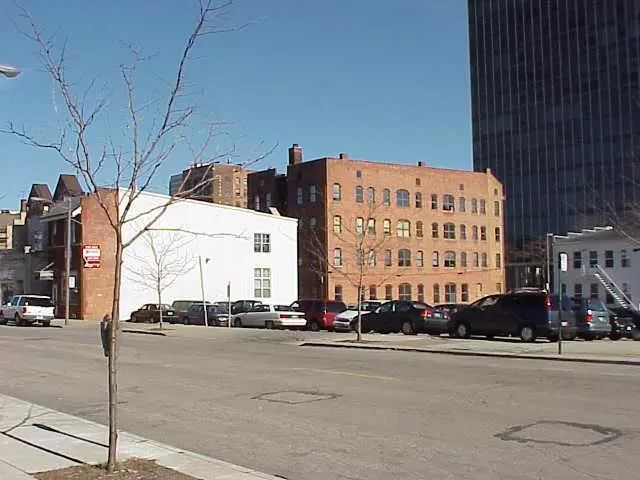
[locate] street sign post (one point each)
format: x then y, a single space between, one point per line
91 256
564 266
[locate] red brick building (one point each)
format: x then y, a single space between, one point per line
414 232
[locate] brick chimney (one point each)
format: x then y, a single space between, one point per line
344 156
295 154
421 163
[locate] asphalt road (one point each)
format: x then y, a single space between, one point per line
255 398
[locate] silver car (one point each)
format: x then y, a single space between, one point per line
263 315
342 323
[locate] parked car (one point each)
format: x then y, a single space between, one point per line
450 308
592 318
242 306
28 309
320 314
527 314
342 322
270 316
403 316
625 322
150 312
181 309
217 315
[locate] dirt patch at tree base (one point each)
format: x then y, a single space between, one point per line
132 469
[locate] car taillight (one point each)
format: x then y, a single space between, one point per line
285 315
426 313
588 318
24 309
549 307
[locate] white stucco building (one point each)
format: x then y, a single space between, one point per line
617 254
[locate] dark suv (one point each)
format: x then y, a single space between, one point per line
526 314
319 314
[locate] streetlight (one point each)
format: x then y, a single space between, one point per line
204 301
9 71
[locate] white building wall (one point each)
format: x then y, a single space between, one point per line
222 234
601 242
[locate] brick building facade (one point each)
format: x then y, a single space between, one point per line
413 232
222 183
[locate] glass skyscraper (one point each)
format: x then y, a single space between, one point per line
555 97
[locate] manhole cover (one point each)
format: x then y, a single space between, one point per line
567 434
295 397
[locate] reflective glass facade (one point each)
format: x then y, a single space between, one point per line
556 108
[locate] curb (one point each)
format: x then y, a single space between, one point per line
462 353
144 332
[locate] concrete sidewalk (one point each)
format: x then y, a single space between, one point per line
623 352
35 439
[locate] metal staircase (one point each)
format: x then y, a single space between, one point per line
610 286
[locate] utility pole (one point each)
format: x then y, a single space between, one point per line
204 302
67 256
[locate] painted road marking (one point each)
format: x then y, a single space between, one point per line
350 374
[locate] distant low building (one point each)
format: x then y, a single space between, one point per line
222 183
12 241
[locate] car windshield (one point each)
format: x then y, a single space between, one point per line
566 302
37 301
596 304
283 308
420 305
220 308
336 307
165 306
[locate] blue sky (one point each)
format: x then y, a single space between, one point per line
379 80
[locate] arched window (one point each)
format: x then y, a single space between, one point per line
386 226
404 228
371 195
337 257
485 260
418 200
450 293
449 259
449 231
476 261
463 259
372 258
483 207
434 230
359 225
420 292
337 191
419 229
337 293
462 205
474 205
404 292
388 260
434 201
359 194
404 257
463 231
436 293
419 258
483 233
371 226
497 234
435 259
386 197
337 224
402 198
388 292
448 203
373 292
474 232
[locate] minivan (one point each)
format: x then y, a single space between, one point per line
592 318
320 314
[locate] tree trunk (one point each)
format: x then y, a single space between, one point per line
160 305
359 331
113 344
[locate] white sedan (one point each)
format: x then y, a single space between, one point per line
342 323
270 316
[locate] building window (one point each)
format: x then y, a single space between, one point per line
474 205
388 261
496 208
419 229
337 191
404 257
313 223
593 258
262 282
373 292
463 232
337 293
608 258
418 182
435 259
418 200
464 292
476 259
625 261
371 195
497 234
462 205
404 292
388 292
262 242
299 197
371 226
474 232
463 259
359 194
337 224
256 202
594 291
337 257
312 193
434 201
419 258
404 228
483 233
359 225
386 226
449 231
434 230
402 198
358 173
483 207
436 293
498 260
478 289
450 293
360 257
420 292
449 259
448 203
269 201
485 260
577 290
372 258
386 197
577 260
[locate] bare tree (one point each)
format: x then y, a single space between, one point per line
164 260
361 241
154 129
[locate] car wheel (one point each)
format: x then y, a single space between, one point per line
17 320
407 328
237 322
462 330
314 326
3 321
527 333
269 325
615 336
554 338
46 323
490 336
635 334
